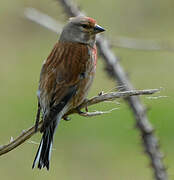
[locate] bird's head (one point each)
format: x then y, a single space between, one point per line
81 30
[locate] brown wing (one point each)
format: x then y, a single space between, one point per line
61 72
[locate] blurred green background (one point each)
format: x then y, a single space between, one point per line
105 147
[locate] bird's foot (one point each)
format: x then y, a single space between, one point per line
86 107
66 118
79 111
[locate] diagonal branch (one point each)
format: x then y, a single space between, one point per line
115 70
26 134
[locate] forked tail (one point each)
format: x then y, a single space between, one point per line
43 154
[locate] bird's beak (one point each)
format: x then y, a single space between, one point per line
98 29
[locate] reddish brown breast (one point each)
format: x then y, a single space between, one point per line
86 82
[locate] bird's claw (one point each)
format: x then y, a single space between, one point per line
66 118
79 111
86 107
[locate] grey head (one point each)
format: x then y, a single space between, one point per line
81 29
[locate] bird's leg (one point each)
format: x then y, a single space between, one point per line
79 111
86 108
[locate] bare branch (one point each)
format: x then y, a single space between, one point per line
96 113
43 19
116 71
142 44
119 41
113 95
157 97
26 134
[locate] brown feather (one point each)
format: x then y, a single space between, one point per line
62 69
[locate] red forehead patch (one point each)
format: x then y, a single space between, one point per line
93 21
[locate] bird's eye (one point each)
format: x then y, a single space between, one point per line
85 26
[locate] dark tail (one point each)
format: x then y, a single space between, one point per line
43 154
48 128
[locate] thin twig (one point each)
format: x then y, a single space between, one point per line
96 113
26 134
142 44
43 19
156 97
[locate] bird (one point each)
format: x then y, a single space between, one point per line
65 79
